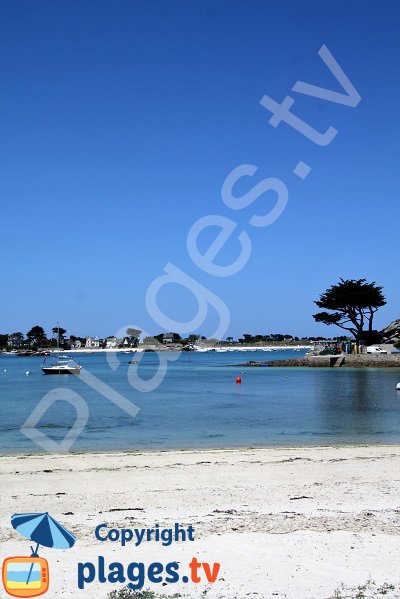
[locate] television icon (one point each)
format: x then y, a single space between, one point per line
25 576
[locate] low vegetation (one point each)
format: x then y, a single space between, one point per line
369 590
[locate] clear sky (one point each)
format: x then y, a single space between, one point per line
120 122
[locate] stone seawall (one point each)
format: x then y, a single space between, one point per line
340 361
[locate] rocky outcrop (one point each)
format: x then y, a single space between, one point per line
340 361
392 332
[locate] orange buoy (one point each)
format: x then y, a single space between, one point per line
238 380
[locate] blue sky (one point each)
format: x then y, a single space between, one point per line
120 122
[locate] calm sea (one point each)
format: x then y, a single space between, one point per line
198 404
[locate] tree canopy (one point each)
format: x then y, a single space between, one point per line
59 333
36 335
58 330
352 304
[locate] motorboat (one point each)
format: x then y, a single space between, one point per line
62 367
63 364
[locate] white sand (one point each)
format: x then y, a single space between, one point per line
161 347
291 523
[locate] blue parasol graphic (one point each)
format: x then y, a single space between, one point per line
43 530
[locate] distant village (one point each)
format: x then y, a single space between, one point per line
37 339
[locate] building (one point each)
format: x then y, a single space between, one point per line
112 342
92 342
15 341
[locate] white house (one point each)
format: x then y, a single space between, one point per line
111 342
92 342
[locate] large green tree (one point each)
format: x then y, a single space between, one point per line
3 340
36 335
133 336
59 332
352 304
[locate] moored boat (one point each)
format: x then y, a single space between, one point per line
62 368
63 365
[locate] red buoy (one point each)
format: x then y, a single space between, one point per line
238 380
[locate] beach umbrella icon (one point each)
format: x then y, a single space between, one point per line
43 530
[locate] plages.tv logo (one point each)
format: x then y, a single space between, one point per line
29 576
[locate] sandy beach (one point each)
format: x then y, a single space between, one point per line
286 523
159 347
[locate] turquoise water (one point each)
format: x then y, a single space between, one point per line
199 405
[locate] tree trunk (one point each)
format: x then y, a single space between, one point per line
371 318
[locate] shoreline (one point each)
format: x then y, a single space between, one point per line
337 361
195 450
300 520
163 348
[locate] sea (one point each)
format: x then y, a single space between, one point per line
194 403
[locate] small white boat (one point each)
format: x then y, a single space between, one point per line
63 365
67 367
398 387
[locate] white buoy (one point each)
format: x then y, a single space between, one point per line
27 372
398 386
